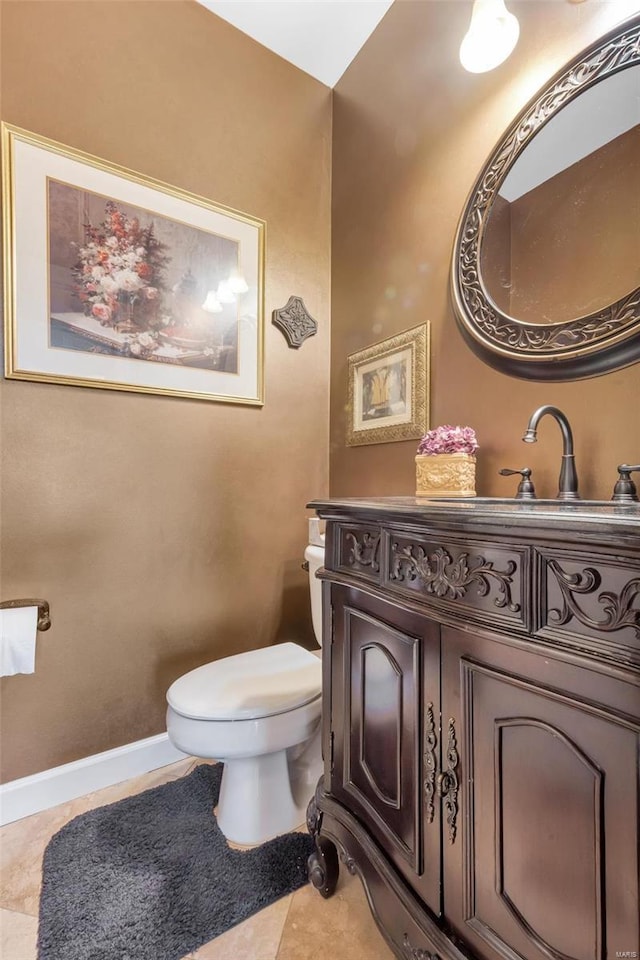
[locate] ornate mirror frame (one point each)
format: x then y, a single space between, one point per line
584 347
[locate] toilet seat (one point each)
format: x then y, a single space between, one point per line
249 686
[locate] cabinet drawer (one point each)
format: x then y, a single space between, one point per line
358 550
475 577
591 602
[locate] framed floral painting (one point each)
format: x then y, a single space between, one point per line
389 389
117 281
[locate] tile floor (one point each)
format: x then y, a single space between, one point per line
293 928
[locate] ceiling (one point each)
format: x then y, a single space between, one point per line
320 37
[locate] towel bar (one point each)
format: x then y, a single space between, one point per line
44 617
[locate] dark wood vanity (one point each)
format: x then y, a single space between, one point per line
481 715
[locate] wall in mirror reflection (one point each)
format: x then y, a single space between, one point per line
562 238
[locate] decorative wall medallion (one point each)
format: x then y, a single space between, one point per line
416 953
295 322
365 550
618 608
447 783
445 577
430 743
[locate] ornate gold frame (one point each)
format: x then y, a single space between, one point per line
416 423
9 136
585 346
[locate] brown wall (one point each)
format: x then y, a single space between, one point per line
575 239
164 532
411 131
495 254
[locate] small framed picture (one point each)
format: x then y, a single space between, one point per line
117 281
389 389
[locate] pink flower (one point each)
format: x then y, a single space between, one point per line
102 312
447 439
119 259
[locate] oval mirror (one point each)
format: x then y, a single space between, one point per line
546 270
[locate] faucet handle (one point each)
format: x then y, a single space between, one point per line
526 489
625 489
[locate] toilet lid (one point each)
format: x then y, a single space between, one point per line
249 685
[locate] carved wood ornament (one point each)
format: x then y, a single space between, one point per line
416 953
618 608
445 577
447 782
364 550
322 865
430 744
349 863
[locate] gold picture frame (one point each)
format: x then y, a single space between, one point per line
389 389
118 281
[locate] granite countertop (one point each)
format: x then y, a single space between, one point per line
578 514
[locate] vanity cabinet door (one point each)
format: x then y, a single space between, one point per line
384 717
546 767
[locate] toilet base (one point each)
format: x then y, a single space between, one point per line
271 767
263 797
256 802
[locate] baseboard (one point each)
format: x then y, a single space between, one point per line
21 798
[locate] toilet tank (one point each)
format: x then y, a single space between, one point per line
314 555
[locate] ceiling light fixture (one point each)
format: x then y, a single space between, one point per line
492 35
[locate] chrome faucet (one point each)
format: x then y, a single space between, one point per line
568 482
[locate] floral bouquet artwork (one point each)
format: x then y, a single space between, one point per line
129 283
446 463
120 280
119 277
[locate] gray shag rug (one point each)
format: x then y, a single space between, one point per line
152 877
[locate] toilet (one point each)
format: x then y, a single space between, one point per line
259 713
